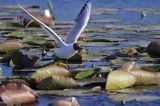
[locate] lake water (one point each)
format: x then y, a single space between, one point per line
67 10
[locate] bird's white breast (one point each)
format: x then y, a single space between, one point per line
65 52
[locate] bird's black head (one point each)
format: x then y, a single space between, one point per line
76 46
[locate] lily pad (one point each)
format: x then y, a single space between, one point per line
129 52
107 40
50 70
119 79
68 92
57 82
99 11
24 58
84 74
145 77
13 94
10 46
138 98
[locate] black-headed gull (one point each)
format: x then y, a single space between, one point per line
70 47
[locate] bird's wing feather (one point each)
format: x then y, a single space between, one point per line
47 29
81 23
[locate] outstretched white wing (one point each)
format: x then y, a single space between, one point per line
47 29
81 23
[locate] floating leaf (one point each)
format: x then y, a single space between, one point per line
96 30
145 77
92 82
10 46
92 56
60 64
138 98
13 94
57 82
119 79
99 11
149 68
76 58
72 101
117 61
50 70
24 58
129 52
0 71
127 66
106 40
69 92
84 74
132 52
95 89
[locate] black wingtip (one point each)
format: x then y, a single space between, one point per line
85 5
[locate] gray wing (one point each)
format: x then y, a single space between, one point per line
47 29
81 23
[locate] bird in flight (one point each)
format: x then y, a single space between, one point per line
69 47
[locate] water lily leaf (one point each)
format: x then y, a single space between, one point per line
127 66
16 35
138 98
107 40
50 70
68 92
57 82
105 20
146 98
95 89
76 58
145 77
92 56
13 94
145 57
96 30
37 42
99 11
92 82
10 46
117 61
129 52
84 74
0 71
70 101
119 79
24 58
60 64
149 68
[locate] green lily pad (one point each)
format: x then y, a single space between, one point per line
99 11
145 77
106 40
50 70
84 74
68 92
105 20
92 56
119 80
138 98
57 82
